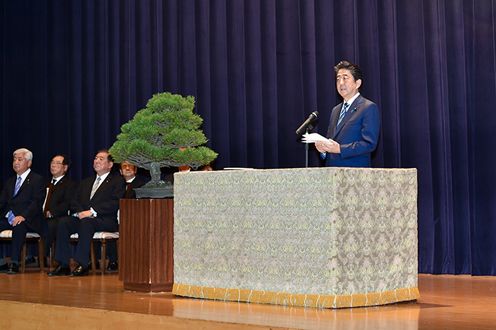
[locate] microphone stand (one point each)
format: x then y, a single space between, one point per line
308 126
306 150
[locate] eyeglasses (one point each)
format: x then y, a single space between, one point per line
127 167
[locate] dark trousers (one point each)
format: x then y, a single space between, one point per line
85 228
51 233
18 237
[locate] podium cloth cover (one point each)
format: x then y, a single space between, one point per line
313 237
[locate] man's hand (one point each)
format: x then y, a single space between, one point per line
85 214
329 146
17 220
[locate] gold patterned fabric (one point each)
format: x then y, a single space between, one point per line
321 237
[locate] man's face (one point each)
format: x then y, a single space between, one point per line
57 167
128 170
346 85
101 163
20 164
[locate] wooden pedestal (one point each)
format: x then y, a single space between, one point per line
146 244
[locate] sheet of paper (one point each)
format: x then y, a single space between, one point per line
314 137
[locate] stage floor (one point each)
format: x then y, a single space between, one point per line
35 301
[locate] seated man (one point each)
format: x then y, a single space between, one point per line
20 205
93 209
128 172
60 191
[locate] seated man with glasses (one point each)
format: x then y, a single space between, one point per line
59 193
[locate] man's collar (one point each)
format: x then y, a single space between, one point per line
57 179
24 175
103 176
351 100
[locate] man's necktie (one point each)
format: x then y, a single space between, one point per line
95 186
11 215
129 190
48 197
344 109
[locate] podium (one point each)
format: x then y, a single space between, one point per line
313 237
146 244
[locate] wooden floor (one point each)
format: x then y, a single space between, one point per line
35 301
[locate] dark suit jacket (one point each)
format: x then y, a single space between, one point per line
137 182
62 194
28 201
357 133
105 202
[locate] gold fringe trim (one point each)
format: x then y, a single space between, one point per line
304 300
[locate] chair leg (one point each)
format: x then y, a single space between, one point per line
23 258
51 257
41 254
93 259
118 254
103 256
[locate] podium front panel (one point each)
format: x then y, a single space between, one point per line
321 237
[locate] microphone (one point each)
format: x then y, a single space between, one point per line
313 116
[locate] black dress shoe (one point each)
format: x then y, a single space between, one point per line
13 269
60 271
112 266
30 260
4 268
80 271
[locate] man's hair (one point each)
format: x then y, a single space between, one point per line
109 156
127 162
66 159
27 153
355 70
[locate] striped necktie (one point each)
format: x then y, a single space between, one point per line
344 109
10 215
95 186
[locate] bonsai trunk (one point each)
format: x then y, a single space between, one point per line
155 175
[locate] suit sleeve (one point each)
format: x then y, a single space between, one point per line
75 204
369 134
68 194
37 197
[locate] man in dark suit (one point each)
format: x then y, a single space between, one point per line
128 172
93 209
60 191
20 205
354 125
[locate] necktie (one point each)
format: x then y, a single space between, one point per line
344 109
48 197
129 191
17 185
10 215
95 186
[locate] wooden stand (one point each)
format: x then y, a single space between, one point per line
146 244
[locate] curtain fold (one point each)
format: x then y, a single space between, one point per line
72 72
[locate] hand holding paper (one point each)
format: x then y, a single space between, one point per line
315 137
322 144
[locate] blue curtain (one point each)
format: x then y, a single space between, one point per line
72 72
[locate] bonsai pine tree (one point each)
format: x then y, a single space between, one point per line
164 134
